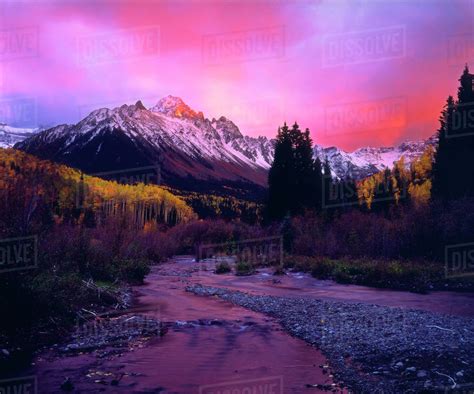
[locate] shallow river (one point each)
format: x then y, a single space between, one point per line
215 347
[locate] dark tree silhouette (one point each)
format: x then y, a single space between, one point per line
442 187
295 178
280 177
453 169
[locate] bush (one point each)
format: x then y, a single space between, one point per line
244 268
417 276
133 271
322 268
188 235
223 268
299 263
279 270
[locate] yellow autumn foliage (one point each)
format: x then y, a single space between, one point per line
63 187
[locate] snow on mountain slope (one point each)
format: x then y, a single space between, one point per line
364 162
189 146
9 136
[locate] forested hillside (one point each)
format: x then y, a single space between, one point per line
36 193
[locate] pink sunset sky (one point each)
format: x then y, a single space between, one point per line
354 72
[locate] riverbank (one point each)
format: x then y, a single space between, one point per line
88 303
415 276
373 348
208 345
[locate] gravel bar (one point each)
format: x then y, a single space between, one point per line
372 348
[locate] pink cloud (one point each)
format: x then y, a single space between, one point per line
259 63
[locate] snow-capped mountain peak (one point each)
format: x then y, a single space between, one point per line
189 146
176 107
226 128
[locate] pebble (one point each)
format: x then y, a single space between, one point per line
374 336
421 374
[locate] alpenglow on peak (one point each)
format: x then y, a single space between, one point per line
176 107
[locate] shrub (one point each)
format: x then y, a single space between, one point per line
133 271
279 270
299 263
189 235
244 268
322 268
223 268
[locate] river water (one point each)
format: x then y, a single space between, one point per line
212 346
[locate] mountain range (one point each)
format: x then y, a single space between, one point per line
9 136
194 152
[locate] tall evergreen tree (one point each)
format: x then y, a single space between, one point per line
305 188
295 178
441 165
349 196
384 195
327 184
318 184
464 141
280 177
453 167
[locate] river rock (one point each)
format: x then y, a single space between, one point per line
422 374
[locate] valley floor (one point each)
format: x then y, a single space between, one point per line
341 336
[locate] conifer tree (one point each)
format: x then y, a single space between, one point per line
384 195
280 177
318 184
295 179
442 187
327 183
305 188
453 168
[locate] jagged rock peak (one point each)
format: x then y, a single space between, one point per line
176 107
139 105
